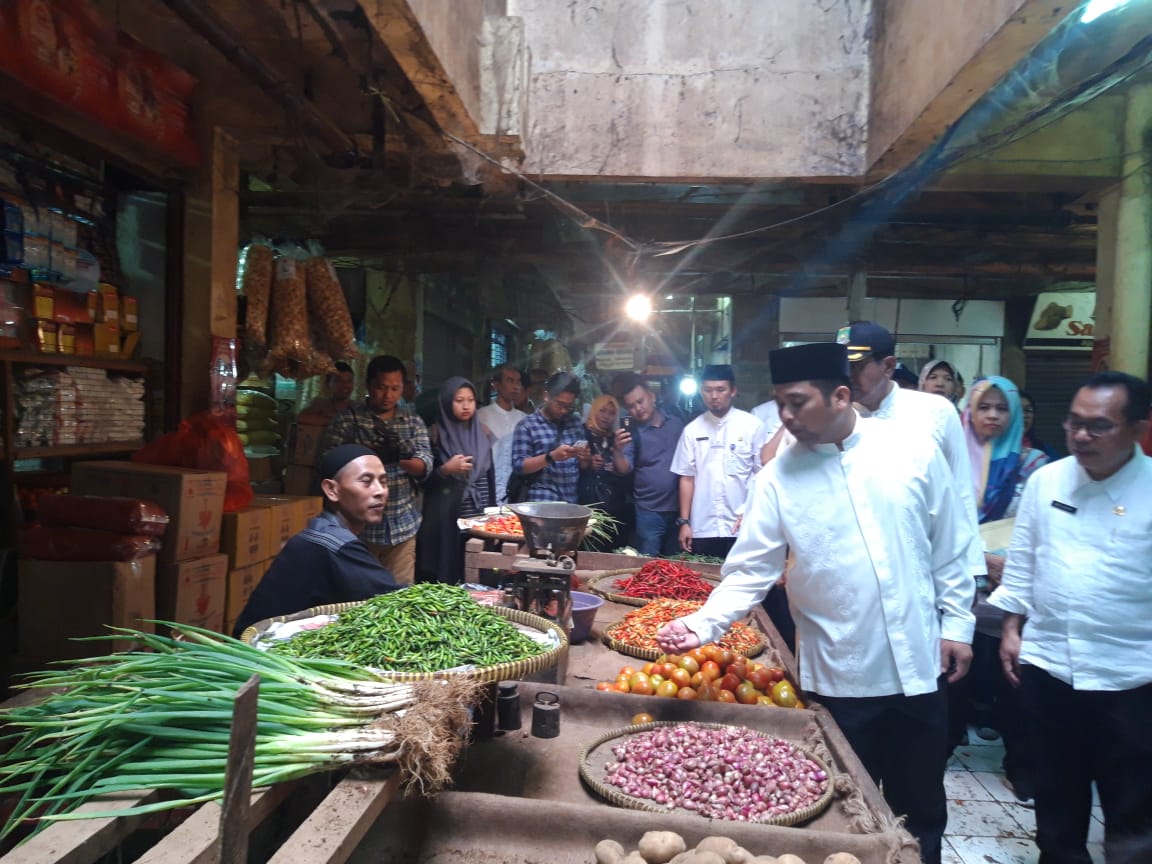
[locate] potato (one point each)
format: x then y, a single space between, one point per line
841 858
789 859
633 858
706 857
726 848
609 852
660 847
764 859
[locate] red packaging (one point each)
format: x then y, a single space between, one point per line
58 543
119 515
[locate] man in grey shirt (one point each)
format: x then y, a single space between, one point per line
655 488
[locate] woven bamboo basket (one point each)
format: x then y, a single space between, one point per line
592 772
652 653
605 586
484 674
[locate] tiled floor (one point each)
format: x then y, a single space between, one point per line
986 824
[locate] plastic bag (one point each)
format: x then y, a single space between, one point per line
61 543
208 442
255 282
120 515
291 352
328 309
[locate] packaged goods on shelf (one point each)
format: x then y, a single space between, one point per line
78 405
46 410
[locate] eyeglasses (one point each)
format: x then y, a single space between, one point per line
563 406
1094 428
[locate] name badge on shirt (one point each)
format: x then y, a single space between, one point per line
1060 505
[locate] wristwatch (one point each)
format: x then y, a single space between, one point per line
548 458
681 522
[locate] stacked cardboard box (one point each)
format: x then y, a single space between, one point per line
191 574
302 453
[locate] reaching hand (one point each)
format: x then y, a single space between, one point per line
675 638
1010 655
686 538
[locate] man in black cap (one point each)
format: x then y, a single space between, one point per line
880 588
327 562
718 454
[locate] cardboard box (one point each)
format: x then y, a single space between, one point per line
241 583
129 314
261 469
61 600
282 521
193 500
106 338
305 441
108 304
298 480
244 536
193 591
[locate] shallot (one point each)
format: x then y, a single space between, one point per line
724 773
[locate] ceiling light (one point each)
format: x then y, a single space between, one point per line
688 385
638 307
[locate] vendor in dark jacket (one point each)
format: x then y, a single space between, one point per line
327 562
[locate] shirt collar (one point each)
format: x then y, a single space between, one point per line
848 443
1117 485
657 415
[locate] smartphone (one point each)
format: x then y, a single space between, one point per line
626 424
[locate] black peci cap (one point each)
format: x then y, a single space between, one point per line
815 362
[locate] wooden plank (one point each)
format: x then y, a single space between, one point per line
85 840
194 841
238 775
336 827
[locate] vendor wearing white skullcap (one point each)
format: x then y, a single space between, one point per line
881 591
326 562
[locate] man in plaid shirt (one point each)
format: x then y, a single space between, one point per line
544 441
400 439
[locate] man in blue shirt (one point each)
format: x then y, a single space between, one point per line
654 487
544 445
327 562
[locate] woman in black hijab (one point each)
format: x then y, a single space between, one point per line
462 482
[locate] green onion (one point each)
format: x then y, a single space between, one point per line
161 718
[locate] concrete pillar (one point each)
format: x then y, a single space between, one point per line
1132 299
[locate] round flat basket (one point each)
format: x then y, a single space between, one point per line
593 773
482 674
492 535
652 653
606 586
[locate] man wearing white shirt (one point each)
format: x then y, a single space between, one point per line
768 414
501 416
718 454
880 589
1077 636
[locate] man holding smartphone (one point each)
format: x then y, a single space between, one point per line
654 436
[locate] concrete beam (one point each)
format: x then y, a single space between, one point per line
933 60
408 34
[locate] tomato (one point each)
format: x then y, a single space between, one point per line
710 670
698 655
739 668
799 704
647 668
688 663
776 672
713 652
726 658
784 695
725 696
673 659
764 700
680 676
705 693
641 718
729 682
760 679
603 685
697 679
746 694
686 693
627 670
641 684
622 687
667 689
